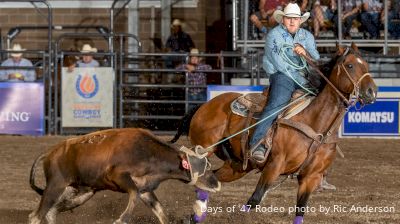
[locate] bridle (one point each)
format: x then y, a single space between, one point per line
356 83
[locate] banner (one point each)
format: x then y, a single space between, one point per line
378 119
87 97
22 108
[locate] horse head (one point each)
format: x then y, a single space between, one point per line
351 76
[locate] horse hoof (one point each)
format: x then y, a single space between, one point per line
298 220
199 219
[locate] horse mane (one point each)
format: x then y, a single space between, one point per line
326 68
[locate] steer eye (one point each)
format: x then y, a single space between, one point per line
350 65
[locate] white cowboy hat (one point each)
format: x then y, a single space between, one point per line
291 10
176 22
194 52
88 49
16 47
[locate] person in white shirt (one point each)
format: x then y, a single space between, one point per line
87 60
17 74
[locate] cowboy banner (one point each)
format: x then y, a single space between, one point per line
87 97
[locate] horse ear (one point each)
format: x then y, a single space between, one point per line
339 49
354 46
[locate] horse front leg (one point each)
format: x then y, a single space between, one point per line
307 185
269 174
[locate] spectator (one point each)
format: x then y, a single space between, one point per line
323 13
350 11
371 10
195 78
87 60
16 60
177 42
393 18
264 15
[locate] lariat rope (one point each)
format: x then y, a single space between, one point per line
209 148
292 64
302 66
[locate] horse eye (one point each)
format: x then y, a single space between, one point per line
350 66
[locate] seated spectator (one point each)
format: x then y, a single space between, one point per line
393 18
87 60
177 42
15 74
350 11
323 13
370 14
263 18
195 78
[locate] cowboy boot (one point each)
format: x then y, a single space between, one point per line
258 152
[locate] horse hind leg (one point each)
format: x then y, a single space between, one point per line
230 172
150 199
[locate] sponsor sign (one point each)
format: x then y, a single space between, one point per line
87 97
378 119
22 108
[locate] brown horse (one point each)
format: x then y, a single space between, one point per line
307 148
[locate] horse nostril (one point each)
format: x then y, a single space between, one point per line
371 93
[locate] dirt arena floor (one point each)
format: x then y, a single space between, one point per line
368 179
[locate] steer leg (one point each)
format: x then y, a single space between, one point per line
73 197
150 199
47 207
125 182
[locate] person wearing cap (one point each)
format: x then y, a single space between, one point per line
17 74
178 42
87 60
195 78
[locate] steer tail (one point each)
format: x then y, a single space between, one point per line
33 171
184 124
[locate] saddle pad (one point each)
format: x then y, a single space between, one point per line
241 110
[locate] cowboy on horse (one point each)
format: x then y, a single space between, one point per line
284 78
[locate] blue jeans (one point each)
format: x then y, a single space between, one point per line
371 23
280 93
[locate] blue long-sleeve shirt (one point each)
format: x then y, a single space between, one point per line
29 74
276 39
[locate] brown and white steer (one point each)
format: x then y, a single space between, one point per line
125 160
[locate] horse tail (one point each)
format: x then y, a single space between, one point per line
33 172
184 124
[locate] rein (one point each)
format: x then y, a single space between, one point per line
356 87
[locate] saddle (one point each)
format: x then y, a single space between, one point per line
252 104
